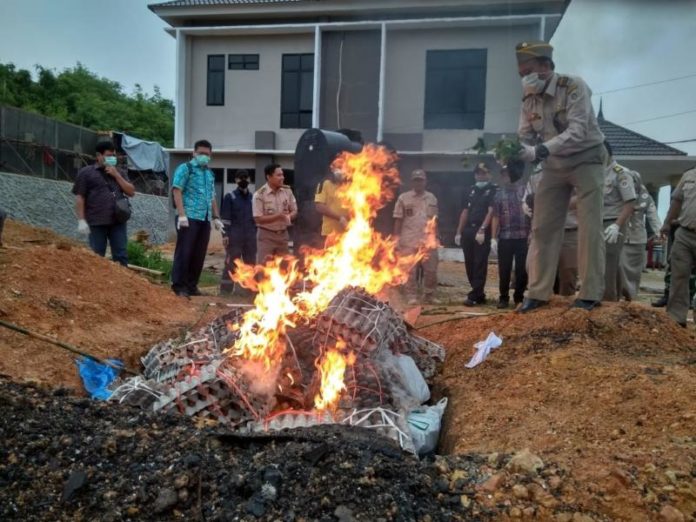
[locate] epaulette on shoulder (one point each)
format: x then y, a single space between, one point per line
563 81
618 169
287 187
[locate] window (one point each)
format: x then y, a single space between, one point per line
297 91
216 79
243 61
455 89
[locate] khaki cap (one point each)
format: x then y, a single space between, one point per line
533 49
418 174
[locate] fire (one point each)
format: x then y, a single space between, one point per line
359 256
332 369
263 327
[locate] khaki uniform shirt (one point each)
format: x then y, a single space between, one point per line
562 117
414 210
267 202
636 233
618 190
686 193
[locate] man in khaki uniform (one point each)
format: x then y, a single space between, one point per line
633 253
683 255
412 212
619 200
567 271
274 208
558 126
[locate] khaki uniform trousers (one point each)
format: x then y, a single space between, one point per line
682 261
428 265
585 173
271 243
612 272
633 260
568 263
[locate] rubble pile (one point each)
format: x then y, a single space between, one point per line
201 375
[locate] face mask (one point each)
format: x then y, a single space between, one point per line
202 159
481 184
243 183
110 161
532 84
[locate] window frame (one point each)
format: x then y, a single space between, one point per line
473 69
209 78
247 62
305 66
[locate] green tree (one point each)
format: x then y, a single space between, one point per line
77 95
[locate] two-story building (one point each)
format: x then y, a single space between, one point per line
427 76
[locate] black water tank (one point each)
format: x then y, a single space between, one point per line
315 151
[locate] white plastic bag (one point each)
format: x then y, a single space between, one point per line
483 348
424 423
412 379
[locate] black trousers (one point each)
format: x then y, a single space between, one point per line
241 245
189 255
476 262
510 250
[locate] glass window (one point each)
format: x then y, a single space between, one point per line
455 89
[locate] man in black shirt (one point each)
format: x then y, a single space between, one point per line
474 232
97 188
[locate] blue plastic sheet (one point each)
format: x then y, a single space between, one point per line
97 377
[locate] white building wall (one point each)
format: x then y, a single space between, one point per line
252 98
405 80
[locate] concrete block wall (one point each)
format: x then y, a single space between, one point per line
50 204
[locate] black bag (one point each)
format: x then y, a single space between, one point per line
123 209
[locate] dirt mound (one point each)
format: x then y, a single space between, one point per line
57 287
609 395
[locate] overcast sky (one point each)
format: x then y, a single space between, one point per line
615 45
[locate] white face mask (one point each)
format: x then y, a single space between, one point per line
532 84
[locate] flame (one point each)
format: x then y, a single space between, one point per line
332 369
263 328
358 256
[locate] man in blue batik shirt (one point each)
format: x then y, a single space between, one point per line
193 189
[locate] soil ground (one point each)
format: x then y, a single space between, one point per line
606 399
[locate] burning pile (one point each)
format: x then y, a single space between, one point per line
317 346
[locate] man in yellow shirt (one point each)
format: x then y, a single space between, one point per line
334 217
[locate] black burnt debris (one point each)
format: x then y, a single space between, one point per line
68 458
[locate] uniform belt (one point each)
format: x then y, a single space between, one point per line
273 231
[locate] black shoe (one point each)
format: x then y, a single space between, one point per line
195 291
503 303
182 293
661 302
529 305
586 304
474 302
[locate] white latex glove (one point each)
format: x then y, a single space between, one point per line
480 237
217 223
82 227
527 211
494 246
528 153
182 222
458 240
611 233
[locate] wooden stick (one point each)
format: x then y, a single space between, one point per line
65 346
